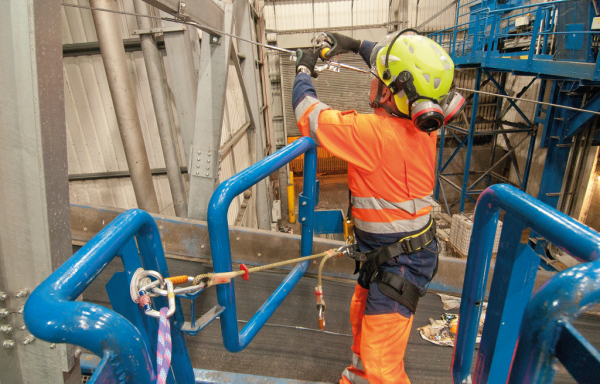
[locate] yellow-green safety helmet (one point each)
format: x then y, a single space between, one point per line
420 73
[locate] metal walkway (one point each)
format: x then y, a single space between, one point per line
305 355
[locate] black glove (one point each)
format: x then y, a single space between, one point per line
341 44
308 59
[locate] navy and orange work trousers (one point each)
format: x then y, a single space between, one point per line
380 325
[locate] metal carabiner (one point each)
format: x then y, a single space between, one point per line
171 298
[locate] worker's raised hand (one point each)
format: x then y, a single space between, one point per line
307 58
339 44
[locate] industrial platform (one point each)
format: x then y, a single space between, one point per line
281 351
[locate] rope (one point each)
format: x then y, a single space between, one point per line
325 255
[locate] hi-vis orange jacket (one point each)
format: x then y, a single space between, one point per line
391 163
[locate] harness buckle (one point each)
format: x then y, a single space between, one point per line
407 246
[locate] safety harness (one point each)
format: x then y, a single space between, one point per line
391 284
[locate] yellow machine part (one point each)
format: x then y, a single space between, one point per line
291 202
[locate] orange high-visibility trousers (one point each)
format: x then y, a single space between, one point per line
379 344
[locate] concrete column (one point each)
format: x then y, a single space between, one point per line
121 89
154 68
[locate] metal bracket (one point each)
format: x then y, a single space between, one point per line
305 211
203 163
195 326
181 15
158 30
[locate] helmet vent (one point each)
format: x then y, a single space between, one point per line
411 49
436 82
427 77
417 65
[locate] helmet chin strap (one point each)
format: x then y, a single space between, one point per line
378 104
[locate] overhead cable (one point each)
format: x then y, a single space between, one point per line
528 101
272 47
206 28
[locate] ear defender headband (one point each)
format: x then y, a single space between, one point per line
425 112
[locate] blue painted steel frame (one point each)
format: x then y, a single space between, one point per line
516 266
483 29
329 221
219 237
51 313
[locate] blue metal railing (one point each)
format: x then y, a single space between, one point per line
127 345
126 341
478 40
218 231
544 320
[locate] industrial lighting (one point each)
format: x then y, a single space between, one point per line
598 178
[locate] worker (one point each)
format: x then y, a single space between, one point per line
391 168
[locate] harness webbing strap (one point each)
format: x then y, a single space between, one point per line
393 285
398 289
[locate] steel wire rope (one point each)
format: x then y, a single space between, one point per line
529 101
206 29
272 47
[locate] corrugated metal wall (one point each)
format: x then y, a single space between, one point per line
94 142
344 90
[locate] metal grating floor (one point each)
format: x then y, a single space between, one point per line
285 351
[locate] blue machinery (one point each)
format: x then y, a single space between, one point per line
126 338
557 45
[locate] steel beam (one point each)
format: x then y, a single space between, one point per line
503 92
206 12
463 191
210 108
34 208
184 80
249 78
580 119
156 79
121 90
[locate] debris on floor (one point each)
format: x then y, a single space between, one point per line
450 302
443 332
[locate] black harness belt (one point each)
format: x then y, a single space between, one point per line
398 289
390 284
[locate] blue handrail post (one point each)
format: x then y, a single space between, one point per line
546 332
476 273
579 289
473 122
51 313
518 265
219 237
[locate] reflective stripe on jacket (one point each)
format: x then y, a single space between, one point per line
391 163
